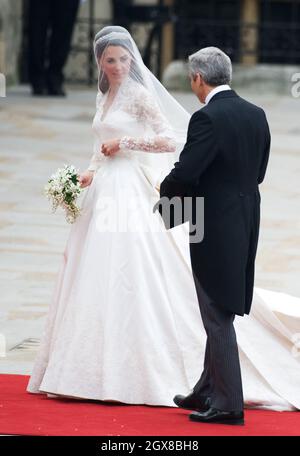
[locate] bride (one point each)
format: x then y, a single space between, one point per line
124 323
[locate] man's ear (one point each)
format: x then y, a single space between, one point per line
200 80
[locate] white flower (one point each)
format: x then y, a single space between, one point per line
63 190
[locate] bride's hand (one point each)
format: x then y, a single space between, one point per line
85 178
110 147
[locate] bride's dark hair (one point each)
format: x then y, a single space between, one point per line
101 44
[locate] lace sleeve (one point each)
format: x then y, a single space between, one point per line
97 156
147 111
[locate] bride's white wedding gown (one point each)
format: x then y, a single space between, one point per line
124 322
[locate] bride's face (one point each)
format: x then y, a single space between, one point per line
115 63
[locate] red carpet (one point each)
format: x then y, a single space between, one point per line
30 414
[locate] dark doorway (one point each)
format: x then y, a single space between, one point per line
207 23
279 32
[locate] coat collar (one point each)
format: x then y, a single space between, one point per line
224 94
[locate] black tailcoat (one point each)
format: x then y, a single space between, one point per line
224 160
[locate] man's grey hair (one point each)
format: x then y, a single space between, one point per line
213 65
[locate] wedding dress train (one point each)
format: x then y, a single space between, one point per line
124 322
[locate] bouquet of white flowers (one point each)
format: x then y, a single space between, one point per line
63 189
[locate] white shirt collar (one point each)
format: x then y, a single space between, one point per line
217 89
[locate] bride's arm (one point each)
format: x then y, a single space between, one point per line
96 158
147 111
86 177
148 144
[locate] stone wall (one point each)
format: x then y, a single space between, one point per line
258 78
10 38
76 68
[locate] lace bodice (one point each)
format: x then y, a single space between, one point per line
135 119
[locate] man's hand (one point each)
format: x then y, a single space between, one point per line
85 178
110 147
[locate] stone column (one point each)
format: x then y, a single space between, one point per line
2 48
249 31
167 40
10 38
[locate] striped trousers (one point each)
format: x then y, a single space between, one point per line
221 377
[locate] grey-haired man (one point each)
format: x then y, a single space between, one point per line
224 160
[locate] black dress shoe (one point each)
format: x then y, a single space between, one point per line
192 402
216 416
56 91
39 90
